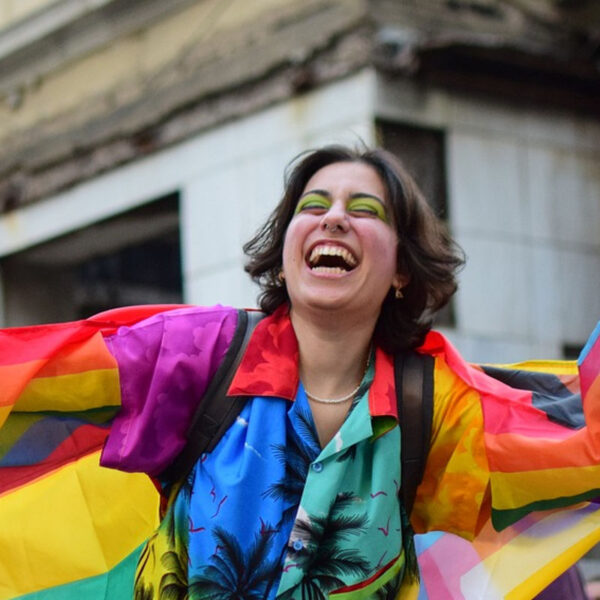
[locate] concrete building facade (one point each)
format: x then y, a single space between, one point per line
143 144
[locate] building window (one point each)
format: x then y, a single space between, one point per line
131 258
422 151
571 351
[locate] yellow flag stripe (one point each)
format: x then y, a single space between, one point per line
556 367
78 522
564 535
4 412
80 391
512 490
547 573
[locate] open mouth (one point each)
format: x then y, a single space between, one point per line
331 259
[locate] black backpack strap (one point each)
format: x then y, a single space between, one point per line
216 412
414 394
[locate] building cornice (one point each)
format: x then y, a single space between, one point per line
238 72
501 49
66 30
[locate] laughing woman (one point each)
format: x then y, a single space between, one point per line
300 497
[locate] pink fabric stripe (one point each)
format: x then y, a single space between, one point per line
589 368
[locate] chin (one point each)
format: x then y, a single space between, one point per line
328 301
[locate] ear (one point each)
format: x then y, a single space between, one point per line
400 280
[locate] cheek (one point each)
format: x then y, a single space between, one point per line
291 247
385 248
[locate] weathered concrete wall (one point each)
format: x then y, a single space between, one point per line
14 10
139 63
205 100
229 179
524 202
193 68
129 77
536 26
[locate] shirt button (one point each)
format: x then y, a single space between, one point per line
317 467
298 545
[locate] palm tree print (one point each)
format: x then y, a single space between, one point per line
296 455
144 593
348 454
180 493
235 574
173 584
174 560
323 557
141 590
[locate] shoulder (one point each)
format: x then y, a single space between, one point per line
186 330
179 317
165 362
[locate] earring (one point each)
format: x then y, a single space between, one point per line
281 276
398 294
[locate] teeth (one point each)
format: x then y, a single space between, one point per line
332 251
333 270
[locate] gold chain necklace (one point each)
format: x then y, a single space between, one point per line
332 400
343 398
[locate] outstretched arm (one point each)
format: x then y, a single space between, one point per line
509 440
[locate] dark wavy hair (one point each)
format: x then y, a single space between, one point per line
426 252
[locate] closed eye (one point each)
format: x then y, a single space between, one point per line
312 202
367 206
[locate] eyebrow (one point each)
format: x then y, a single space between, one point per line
352 196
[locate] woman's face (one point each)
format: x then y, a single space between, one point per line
340 247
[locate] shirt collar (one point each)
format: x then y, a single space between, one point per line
269 367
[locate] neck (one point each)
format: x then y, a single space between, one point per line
333 352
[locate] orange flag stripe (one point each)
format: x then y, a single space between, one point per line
541 453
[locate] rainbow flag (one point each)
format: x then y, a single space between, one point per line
71 529
68 527
534 545
515 564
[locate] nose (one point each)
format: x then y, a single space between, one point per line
335 219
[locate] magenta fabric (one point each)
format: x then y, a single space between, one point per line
165 365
